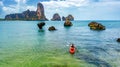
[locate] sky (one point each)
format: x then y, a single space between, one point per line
80 9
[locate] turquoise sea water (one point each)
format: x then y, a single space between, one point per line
20 40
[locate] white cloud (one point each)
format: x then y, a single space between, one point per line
20 4
17 8
32 8
110 4
66 3
21 1
62 6
87 9
108 0
1 3
13 9
9 9
101 10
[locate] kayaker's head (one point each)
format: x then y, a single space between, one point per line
72 45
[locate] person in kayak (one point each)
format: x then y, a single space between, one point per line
72 49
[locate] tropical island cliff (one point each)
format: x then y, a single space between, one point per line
29 15
39 14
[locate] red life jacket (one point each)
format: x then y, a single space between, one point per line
72 50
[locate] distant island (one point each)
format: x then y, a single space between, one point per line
36 15
29 15
56 17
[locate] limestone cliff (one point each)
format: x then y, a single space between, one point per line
40 12
28 15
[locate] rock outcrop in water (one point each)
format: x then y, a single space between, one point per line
118 40
70 17
28 15
56 17
67 22
40 25
96 26
52 28
63 18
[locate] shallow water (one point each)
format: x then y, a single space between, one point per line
22 39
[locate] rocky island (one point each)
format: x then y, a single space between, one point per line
96 26
56 17
29 15
70 17
36 15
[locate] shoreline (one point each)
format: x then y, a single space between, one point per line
64 21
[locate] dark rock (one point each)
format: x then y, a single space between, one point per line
52 28
28 15
118 40
63 18
40 12
67 22
70 17
16 16
96 26
56 17
40 25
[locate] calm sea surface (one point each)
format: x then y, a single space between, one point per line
21 38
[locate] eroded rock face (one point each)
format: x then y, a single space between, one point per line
96 26
118 40
52 28
70 17
56 17
40 25
40 12
67 22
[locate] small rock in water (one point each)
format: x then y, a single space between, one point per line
40 25
67 22
118 40
52 28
